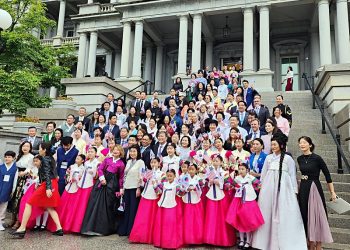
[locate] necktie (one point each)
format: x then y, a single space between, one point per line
254 135
241 117
160 149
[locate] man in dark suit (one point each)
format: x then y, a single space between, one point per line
248 93
243 116
261 111
142 105
33 139
82 118
159 149
112 102
135 102
112 129
255 132
156 110
172 96
146 150
105 110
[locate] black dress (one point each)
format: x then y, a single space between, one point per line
310 167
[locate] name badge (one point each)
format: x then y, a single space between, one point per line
7 178
64 165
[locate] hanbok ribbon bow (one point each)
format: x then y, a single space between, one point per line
242 191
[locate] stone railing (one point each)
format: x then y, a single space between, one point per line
48 41
65 40
107 8
71 40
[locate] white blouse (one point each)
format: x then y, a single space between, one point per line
193 196
26 162
89 173
148 191
132 174
74 177
215 192
171 163
246 183
168 198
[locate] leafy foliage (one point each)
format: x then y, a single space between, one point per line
26 65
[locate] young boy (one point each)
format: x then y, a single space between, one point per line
8 181
222 90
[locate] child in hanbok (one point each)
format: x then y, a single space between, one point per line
244 213
168 227
142 231
171 161
193 210
217 232
68 200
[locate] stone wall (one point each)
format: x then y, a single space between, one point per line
10 140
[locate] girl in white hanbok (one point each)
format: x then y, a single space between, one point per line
283 228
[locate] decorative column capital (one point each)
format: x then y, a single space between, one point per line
125 22
247 10
138 21
197 15
323 2
93 33
82 33
264 8
342 1
183 17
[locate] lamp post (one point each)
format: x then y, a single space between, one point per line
5 23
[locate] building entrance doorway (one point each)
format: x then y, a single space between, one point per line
292 61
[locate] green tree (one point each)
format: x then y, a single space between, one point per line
26 65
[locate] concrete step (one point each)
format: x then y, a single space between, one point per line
338 186
336 246
344 195
339 221
340 235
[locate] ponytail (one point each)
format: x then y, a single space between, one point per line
283 153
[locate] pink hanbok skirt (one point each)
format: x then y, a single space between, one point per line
142 230
193 223
72 210
168 228
245 217
217 232
36 211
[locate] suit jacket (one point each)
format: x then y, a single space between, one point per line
146 105
249 137
155 150
264 113
249 97
35 145
244 124
102 112
86 122
115 131
166 101
259 163
146 156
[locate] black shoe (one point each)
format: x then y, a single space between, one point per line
246 246
59 232
240 245
18 234
36 228
42 228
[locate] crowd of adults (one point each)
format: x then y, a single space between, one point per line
223 115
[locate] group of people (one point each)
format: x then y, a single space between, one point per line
210 168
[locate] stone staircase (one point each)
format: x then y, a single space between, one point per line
307 121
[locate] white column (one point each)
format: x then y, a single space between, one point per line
53 90
125 50
209 53
315 51
61 15
196 42
248 37
159 68
92 54
117 61
343 31
325 32
136 69
81 55
108 66
90 1
148 63
182 52
87 56
264 41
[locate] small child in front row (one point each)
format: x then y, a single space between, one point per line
142 230
168 227
8 181
217 232
193 209
244 213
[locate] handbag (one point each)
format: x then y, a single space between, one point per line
121 207
340 206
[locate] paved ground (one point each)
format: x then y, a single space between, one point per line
45 241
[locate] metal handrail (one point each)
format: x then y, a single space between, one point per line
146 84
336 137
